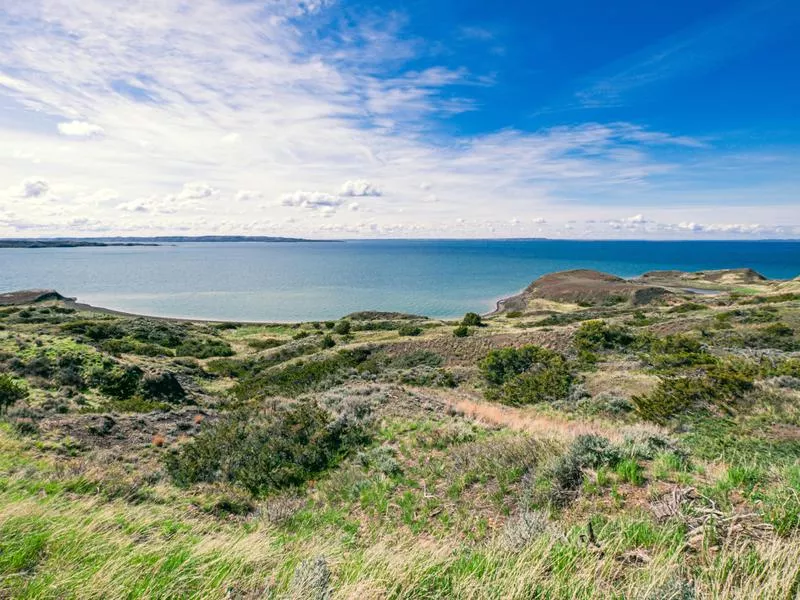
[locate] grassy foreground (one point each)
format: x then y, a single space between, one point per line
557 451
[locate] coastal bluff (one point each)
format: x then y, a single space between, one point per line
31 297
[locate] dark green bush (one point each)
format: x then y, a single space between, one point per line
265 453
417 358
687 307
204 348
461 331
409 330
594 336
545 383
472 319
673 352
11 391
116 380
264 344
327 342
721 384
95 330
502 365
342 327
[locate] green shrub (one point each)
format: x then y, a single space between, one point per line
502 365
11 391
417 358
409 330
472 319
594 336
721 384
204 348
687 307
300 377
514 314
116 380
343 327
673 352
548 383
95 330
327 342
461 331
591 450
265 344
265 453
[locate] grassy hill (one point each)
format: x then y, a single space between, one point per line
596 449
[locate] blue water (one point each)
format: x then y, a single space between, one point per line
310 281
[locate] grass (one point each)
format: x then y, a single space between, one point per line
450 495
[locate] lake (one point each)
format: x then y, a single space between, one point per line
314 281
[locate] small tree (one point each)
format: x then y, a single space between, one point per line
472 319
11 391
461 331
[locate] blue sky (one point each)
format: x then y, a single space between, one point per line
437 118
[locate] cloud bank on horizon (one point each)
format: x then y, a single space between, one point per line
338 118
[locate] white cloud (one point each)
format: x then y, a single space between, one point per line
311 200
354 206
79 129
189 198
248 196
248 95
359 188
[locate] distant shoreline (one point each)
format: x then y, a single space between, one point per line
105 242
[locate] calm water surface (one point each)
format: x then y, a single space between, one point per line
308 281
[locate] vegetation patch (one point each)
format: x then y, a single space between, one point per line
269 452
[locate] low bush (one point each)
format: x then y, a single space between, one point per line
594 336
548 383
343 327
719 385
265 344
116 380
409 330
461 331
264 453
300 377
417 358
204 348
502 365
527 375
673 352
11 391
327 342
687 307
472 319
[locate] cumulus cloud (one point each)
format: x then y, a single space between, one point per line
189 197
238 93
80 129
359 188
33 187
311 200
248 196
